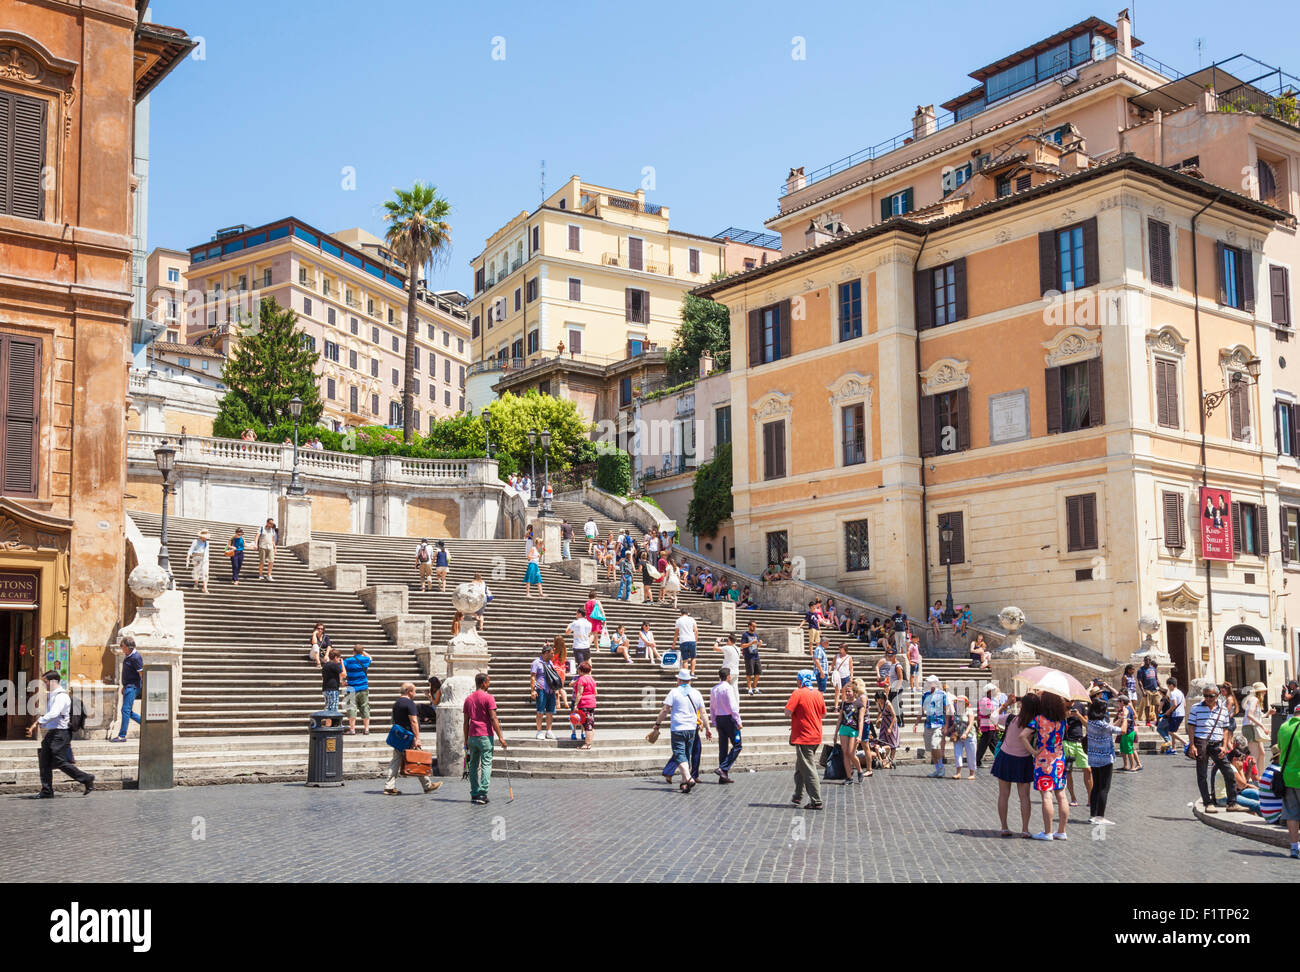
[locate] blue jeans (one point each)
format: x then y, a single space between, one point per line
728 742
1249 798
332 700
236 564
129 694
624 588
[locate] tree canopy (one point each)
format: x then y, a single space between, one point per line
706 326
269 364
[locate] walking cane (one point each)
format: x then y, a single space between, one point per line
510 786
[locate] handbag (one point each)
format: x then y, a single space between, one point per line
417 762
604 639
554 681
399 737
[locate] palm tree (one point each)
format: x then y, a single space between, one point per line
418 234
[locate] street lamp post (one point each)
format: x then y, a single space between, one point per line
946 534
532 460
295 409
487 434
165 456
546 471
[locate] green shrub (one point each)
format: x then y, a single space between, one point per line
711 501
614 472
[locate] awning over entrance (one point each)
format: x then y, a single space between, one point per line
1248 640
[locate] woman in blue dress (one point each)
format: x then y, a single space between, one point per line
533 576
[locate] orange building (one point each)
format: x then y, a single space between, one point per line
73 74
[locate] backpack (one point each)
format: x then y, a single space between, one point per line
835 765
77 714
935 704
423 555
554 682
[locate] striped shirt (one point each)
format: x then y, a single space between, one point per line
1208 721
1270 806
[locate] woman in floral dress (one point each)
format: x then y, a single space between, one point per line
1045 739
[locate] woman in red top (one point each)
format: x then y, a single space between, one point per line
584 702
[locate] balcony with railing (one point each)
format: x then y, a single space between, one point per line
540 359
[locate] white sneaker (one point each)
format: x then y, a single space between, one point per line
1104 822
1060 836
1041 835
541 735
550 735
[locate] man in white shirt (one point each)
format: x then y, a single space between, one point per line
730 653
685 710
589 531
724 712
579 630
685 636
56 745
1177 713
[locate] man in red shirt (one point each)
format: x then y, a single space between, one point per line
807 709
480 725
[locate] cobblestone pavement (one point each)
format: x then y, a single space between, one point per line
900 826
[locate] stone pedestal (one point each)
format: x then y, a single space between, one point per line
581 569
344 577
466 656
294 520
385 600
548 529
785 639
316 554
157 646
1150 648
1013 655
721 613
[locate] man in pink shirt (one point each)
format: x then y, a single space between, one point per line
480 725
724 713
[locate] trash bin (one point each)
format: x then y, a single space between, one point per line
325 753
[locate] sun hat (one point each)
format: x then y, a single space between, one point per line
684 675
1259 687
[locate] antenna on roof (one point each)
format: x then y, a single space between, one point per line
542 184
1200 45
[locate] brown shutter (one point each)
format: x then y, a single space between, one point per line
1088 507
21 373
1048 278
634 254
755 338
627 304
1173 516
787 325
956 551
1166 393
928 409
779 435
1245 260
1161 262
1236 528
573 237
1053 376
1073 535
1218 273
1261 514
924 299
959 281
1096 394
1295 429
1238 409
963 419
26 192
6 126
1091 264
1279 290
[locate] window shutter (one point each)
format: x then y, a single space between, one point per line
27 158
1166 392
1047 276
634 253
1279 289
884 209
1096 394
1282 521
1091 264
755 338
6 125
1295 431
786 327
1245 260
924 299
22 370
779 436
957 548
1173 515
963 419
1236 528
1088 507
627 303
537 232
1261 514
959 282
1238 410
1073 520
907 199
1218 273
1161 264
767 450
573 238
928 411
1053 376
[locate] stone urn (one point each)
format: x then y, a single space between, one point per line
1012 619
467 655
148 582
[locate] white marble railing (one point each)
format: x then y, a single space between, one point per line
441 470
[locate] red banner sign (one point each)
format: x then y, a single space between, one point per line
1216 524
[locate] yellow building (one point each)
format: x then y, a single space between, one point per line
591 278
349 294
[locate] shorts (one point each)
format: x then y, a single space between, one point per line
848 732
1290 804
688 651
1250 732
426 571
1075 753
844 680
933 737
1175 722
359 704
1013 769
580 655
545 702
441 572
683 742
588 717
814 636
1127 743
753 667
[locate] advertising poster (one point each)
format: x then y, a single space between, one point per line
1216 523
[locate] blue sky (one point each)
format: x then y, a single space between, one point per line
288 94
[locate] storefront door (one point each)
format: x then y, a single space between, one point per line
17 654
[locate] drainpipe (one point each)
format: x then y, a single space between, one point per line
925 520
1200 409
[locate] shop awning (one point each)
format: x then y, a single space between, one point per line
1260 652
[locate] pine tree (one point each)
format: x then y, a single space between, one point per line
268 364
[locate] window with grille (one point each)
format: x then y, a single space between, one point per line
778 547
857 555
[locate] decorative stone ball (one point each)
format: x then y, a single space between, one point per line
468 598
1148 625
147 582
1011 618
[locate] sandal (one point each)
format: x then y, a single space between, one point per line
1005 833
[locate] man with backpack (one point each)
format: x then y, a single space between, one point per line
424 564
936 712
543 684
986 715
63 716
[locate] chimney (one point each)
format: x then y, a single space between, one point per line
816 235
1123 34
795 180
923 122
706 363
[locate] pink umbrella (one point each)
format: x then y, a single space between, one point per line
1053 680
